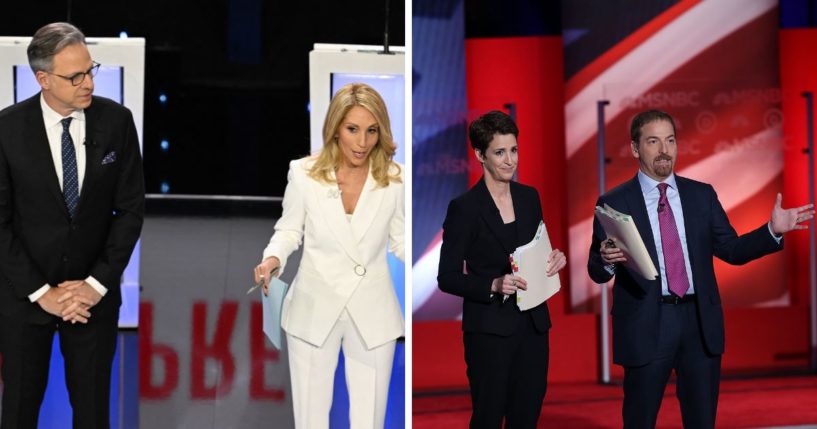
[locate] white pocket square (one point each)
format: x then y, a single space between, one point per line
109 158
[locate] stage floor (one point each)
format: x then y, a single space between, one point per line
768 402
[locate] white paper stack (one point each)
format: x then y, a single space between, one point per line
530 262
622 229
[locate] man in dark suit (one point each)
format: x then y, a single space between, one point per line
676 320
71 210
506 349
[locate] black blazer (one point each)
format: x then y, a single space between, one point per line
636 304
39 242
470 235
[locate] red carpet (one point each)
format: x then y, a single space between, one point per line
744 403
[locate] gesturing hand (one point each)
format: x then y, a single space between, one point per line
785 220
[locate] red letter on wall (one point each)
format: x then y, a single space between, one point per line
218 350
147 352
259 356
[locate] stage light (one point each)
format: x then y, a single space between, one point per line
162 98
308 106
123 34
164 187
165 145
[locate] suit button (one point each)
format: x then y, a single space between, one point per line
64 258
74 227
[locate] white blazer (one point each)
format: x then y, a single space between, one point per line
344 262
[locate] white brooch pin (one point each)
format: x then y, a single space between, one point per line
333 193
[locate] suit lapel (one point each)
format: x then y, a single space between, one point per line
94 150
526 224
688 207
331 207
638 210
36 139
371 197
490 213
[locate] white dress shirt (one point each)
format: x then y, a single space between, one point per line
53 129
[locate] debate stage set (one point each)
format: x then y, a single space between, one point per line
739 78
227 95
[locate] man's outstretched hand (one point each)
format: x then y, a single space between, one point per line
785 220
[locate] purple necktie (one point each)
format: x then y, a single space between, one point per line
671 244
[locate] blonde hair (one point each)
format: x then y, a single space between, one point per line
380 158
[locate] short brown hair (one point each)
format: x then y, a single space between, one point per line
645 118
483 129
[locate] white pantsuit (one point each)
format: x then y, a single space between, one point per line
312 371
342 295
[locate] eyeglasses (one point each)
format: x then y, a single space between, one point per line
76 79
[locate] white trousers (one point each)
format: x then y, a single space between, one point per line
312 371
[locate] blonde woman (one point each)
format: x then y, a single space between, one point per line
346 205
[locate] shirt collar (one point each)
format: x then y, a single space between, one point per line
648 183
52 118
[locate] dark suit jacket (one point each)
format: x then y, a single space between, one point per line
39 242
470 234
636 304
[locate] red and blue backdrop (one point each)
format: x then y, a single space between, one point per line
731 72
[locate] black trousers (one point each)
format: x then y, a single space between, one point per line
88 351
507 376
680 348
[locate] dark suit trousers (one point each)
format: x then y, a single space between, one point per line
507 376
680 347
88 352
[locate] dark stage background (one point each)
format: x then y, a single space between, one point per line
235 74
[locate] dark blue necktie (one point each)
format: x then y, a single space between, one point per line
70 182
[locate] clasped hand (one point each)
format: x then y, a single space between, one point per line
71 300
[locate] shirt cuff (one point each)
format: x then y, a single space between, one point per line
39 293
610 269
102 290
777 238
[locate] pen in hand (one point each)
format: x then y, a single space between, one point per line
261 281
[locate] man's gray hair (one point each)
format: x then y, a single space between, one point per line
49 41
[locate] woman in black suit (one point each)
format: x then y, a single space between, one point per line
506 350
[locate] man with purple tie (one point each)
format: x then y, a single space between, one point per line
674 322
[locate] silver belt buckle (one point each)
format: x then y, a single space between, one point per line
360 270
